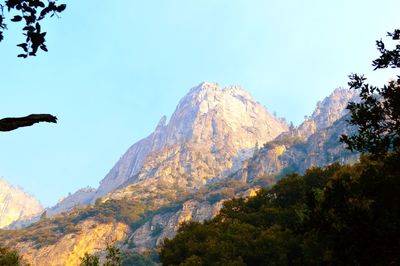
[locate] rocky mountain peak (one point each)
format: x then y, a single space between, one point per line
16 204
208 119
207 90
328 111
210 133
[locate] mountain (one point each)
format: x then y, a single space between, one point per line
15 204
212 128
218 144
331 109
314 143
212 131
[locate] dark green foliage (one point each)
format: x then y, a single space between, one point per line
113 256
133 258
358 221
339 215
90 260
377 115
30 13
10 257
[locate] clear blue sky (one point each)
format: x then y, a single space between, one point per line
115 67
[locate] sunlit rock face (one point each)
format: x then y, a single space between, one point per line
209 135
314 143
91 237
16 204
328 111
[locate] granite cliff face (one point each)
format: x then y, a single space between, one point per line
314 143
209 134
327 112
15 204
92 237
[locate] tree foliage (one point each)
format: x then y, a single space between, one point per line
90 260
10 257
113 258
30 14
339 215
377 115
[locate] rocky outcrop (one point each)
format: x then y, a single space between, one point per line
92 237
166 224
83 196
212 131
314 143
327 112
209 132
15 204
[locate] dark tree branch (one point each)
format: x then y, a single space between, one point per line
11 123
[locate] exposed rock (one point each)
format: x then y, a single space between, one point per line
92 238
314 143
328 111
210 134
208 130
15 204
83 196
165 225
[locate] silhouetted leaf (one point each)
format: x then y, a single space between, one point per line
61 8
29 28
16 18
23 46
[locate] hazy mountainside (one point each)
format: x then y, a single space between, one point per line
186 169
16 204
81 197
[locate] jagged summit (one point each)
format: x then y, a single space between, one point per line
212 129
16 204
206 90
328 111
210 117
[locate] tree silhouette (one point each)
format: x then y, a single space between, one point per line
30 13
377 115
11 123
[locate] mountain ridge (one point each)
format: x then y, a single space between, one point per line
188 172
16 204
206 104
